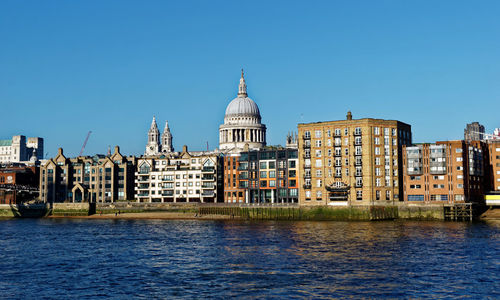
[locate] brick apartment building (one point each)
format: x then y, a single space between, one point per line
351 162
444 172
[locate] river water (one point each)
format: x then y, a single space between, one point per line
62 258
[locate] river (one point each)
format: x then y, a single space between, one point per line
62 258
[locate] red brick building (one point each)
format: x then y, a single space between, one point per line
444 172
18 183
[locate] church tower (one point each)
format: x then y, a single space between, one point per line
153 145
166 140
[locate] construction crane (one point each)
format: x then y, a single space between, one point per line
85 143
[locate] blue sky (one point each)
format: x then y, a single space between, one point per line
67 67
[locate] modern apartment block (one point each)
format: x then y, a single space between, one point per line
351 162
88 179
494 166
179 177
444 172
233 193
268 175
474 132
21 149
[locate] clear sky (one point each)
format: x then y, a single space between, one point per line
67 67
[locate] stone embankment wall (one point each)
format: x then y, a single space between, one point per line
271 212
421 212
7 211
71 209
137 207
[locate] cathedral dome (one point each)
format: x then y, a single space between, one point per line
242 106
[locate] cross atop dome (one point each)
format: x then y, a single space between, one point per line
242 89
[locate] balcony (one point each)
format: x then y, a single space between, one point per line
143 195
307 176
358 163
167 193
306 146
358 185
208 169
338 176
306 137
357 132
143 186
143 179
307 186
208 194
208 177
206 185
307 166
358 153
307 155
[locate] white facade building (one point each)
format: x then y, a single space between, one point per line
21 149
242 124
179 177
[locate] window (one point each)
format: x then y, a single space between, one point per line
328 133
377 195
377 141
263 183
415 197
346 131
359 195
318 195
376 130
318 163
318 183
377 161
272 174
263 165
337 131
308 195
307 134
386 131
459 159
318 143
263 174
377 172
317 133
272 165
377 182
377 150
318 173
272 183
318 153
460 186
387 195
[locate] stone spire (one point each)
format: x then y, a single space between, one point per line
166 140
153 145
242 90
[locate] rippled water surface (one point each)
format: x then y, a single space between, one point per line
57 258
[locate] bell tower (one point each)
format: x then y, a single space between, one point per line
166 140
153 145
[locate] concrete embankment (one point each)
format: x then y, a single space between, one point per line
228 211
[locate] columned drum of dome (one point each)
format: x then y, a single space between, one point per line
242 123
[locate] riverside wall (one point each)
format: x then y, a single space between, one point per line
244 211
